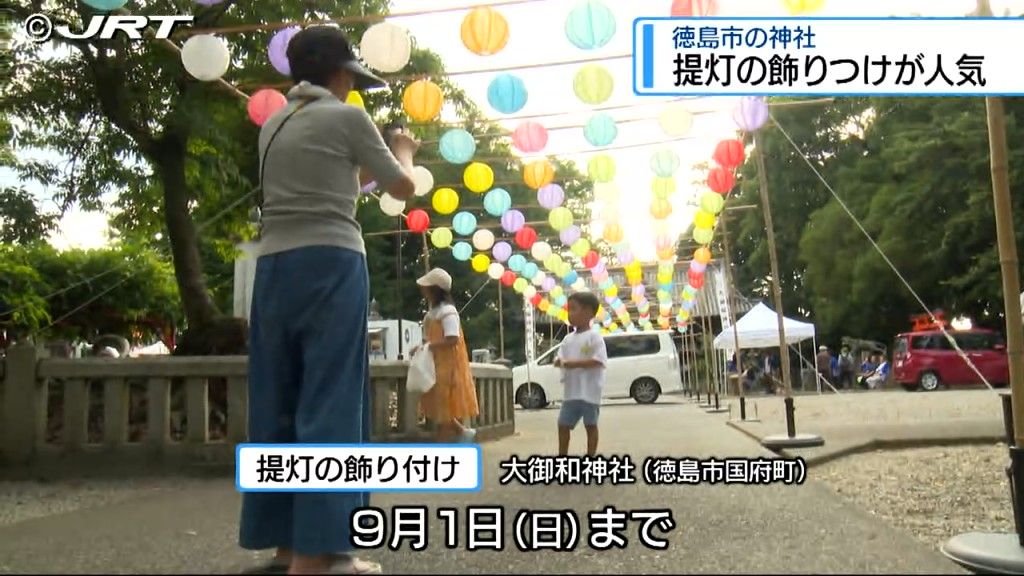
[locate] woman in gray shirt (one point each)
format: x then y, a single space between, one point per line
308 361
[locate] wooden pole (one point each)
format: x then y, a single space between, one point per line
501 322
732 316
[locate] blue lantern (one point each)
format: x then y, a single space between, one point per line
457 146
516 263
590 25
667 288
464 223
606 284
507 93
462 251
571 277
529 270
106 5
561 300
664 163
600 130
497 202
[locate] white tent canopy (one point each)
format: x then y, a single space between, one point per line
759 328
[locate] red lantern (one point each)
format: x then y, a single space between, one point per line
418 221
536 299
695 276
525 237
690 8
508 278
591 259
729 154
721 180
697 282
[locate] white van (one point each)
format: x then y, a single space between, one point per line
641 366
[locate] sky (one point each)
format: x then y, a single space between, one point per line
537 38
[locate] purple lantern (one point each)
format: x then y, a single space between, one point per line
278 49
570 235
639 291
625 257
551 196
697 267
370 187
751 113
208 2
512 221
548 284
502 251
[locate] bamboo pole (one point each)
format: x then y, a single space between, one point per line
727 276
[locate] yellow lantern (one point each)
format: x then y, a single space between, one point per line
613 327
704 220
441 237
634 268
422 100
664 278
581 247
520 285
544 305
481 262
593 84
355 99
601 168
484 31
613 233
798 7
611 291
663 187
538 174
606 192
661 208
675 120
478 177
703 235
560 218
445 200
556 292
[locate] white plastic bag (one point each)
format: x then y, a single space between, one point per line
421 371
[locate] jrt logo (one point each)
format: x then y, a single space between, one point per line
39 28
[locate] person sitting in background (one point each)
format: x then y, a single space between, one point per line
880 375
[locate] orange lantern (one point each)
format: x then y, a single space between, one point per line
667 253
484 31
702 255
613 233
538 174
422 100
661 208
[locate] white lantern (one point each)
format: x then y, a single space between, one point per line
495 270
539 277
423 180
540 251
675 120
579 285
483 239
386 47
529 292
205 57
391 206
606 192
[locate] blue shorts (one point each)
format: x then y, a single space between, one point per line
574 410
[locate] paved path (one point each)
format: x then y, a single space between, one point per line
720 528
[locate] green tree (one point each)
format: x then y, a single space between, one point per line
21 221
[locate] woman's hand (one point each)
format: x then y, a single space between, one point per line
403 143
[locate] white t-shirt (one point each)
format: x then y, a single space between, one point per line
449 317
584 383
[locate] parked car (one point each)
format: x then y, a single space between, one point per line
927 360
641 365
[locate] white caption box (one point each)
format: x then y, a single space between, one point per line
883 56
366 467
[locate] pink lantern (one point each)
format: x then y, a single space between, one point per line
551 196
691 8
751 113
263 104
530 137
570 235
512 221
278 49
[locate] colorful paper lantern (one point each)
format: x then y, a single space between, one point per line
704 220
691 8
478 177
422 100
441 237
601 168
445 201
483 239
590 25
277 49
729 154
600 130
697 283
538 278
697 266
569 235
664 163
661 208
484 31
550 196
106 5
497 202
509 278
721 180
613 233
529 292
593 84
502 251
751 113
480 263
263 104
462 251
591 259
538 174
417 221
512 221
422 180
507 93
712 203
606 192
457 146
530 269
540 251
530 137
205 57
703 235
496 271
560 218
355 99
548 284
390 205
525 237
800 7
580 248
386 47
702 255
464 223
536 299
663 187
675 120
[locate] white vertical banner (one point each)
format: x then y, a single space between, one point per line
722 293
531 332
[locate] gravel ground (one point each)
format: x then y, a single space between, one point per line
20 501
932 493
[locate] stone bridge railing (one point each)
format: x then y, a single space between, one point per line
108 413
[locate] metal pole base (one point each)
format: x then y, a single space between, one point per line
717 408
791 439
986 552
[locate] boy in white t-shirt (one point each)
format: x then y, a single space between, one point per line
582 359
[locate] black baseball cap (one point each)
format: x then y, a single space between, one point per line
318 51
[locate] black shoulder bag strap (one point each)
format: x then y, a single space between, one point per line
263 163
